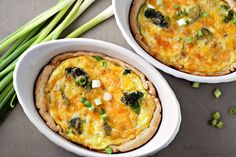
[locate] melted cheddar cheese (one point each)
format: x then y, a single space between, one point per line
199 36
67 110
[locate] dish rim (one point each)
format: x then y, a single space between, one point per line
124 27
33 114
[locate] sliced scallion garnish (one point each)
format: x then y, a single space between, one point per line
104 64
232 110
108 150
176 6
217 93
188 40
219 125
213 122
98 58
102 113
81 80
216 115
196 85
87 104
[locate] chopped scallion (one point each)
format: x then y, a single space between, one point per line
98 58
232 110
176 6
216 115
213 122
91 108
216 120
108 150
104 64
219 125
102 113
196 85
204 14
217 93
188 40
82 100
81 80
200 33
176 39
87 104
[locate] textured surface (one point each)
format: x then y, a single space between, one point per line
20 138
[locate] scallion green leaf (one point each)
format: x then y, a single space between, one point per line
176 6
101 111
108 150
98 58
188 40
216 115
219 125
213 122
104 64
204 14
217 93
107 13
232 110
196 85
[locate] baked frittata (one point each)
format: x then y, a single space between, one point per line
98 102
193 36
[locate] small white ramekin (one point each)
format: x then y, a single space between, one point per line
33 60
121 11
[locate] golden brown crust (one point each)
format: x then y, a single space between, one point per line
41 102
232 3
134 26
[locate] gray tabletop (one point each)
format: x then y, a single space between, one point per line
19 138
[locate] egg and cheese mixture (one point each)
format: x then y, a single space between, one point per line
194 36
97 102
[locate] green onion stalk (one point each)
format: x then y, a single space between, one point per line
45 27
35 22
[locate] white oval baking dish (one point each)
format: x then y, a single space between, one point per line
34 59
121 11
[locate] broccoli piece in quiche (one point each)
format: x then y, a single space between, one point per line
126 72
79 75
76 124
132 100
157 18
229 16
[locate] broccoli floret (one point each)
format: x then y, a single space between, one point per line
229 16
76 123
132 100
150 13
79 75
69 70
126 72
157 17
79 72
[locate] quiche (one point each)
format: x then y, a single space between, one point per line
192 36
98 102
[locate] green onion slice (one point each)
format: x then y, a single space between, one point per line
87 104
196 85
219 125
108 150
232 110
213 122
217 93
98 58
104 64
216 115
81 80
